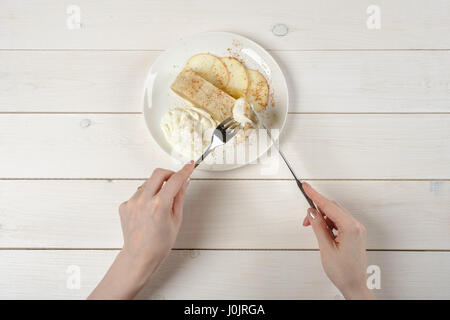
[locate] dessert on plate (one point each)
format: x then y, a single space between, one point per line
216 88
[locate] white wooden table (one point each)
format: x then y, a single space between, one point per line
369 126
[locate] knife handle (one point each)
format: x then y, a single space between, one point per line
311 203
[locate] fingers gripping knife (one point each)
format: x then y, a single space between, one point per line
299 182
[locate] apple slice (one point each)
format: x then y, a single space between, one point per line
238 84
258 90
210 68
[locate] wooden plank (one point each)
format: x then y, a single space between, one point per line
405 24
327 146
367 81
74 81
327 81
406 215
235 275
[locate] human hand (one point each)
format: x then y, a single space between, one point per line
152 217
343 253
150 221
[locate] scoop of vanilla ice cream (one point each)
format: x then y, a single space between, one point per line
239 112
188 130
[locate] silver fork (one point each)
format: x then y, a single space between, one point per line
224 132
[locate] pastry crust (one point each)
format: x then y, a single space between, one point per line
203 94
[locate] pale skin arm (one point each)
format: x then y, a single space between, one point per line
152 217
150 223
344 255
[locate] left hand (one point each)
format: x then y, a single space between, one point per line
152 217
150 223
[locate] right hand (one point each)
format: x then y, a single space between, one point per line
343 255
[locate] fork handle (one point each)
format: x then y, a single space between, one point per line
203 156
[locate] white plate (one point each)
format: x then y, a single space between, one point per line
159 98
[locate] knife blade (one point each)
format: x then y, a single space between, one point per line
299 182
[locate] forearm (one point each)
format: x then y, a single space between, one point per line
124 279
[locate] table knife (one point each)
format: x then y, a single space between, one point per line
297 180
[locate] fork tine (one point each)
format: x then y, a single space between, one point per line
234 125
224 122
234 132
229 124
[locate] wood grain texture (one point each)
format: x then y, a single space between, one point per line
73 81
327 81
224 214
333 64
319 147
222 275
405 24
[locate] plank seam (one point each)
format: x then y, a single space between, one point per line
69 112
270 50
293 112
223 179
215 249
